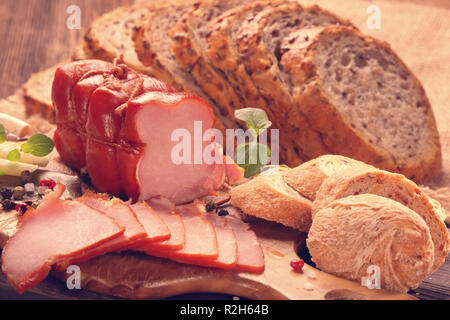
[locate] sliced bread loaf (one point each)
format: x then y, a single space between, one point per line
223 54
352 234
309 176
189 35
258 41
154 49
110 35
269 197
363 100
354 181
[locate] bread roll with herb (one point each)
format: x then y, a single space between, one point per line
351 234
268 197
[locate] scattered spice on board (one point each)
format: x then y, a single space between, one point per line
297 265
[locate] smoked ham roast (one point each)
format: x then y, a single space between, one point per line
123 127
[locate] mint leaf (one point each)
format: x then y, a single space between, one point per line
14 155
2 173
38 145
255 119
2 133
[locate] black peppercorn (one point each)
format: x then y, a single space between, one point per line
222 213
8 205
210 206
6 193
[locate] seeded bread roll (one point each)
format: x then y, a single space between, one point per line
355 181
154 49
110 35
269 197
363 100
258 42
308 177
351 234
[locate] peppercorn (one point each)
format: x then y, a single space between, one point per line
18 193
6 193
210 206
29 188
21 208
222 213
26 177
51 184
8 205
297 265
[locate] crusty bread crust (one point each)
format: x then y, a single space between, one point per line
351 234
354 181
308 177
338 134
269 197
110 35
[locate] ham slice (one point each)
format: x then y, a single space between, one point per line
154 226
55 231
200 245
250 254
121 126
166 211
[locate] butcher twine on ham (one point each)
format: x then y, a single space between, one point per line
119 125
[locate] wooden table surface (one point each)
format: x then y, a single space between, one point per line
34 36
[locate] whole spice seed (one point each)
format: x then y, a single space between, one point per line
26 177
210 206
297 265
21 208
6 193
42 189
18 193
29 188
48 183
222 213
8 205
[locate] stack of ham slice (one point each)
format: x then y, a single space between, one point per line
119 125
61 232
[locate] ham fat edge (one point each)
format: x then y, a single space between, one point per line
118 124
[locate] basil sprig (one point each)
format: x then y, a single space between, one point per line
2 133
257 122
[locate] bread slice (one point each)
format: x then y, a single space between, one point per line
258 41
37 92
308 177
189 42
110 35
268 197
363 100
351 234
154 49
352 181
222 53
82 51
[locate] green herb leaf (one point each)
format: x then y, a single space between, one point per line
252 157
14 155
2 133
38 145
2 173
255 119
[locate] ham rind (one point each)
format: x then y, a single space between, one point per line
159 173
153 225
55 231
166 211
200 245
